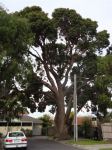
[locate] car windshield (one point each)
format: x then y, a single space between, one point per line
16 134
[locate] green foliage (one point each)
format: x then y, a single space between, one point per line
103 84
106 149
88 142
27 132
102 39
64 40
104 65
1 135
37 51
107 118
87 128
46 121
14 40
41 25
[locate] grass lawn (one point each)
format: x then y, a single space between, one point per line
88 142
106 149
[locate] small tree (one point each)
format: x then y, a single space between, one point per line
47 122
87 128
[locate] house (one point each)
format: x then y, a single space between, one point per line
25 122
91 119
86 126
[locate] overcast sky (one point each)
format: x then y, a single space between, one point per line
98 10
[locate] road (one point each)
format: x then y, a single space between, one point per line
45 144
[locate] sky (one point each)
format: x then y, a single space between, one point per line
97 10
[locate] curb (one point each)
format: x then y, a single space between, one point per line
79 147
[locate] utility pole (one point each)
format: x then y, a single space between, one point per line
75 109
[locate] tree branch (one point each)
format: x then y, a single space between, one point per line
66 75
37 57
36 52
48 86
47 70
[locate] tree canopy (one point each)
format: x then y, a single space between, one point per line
44 53
14 41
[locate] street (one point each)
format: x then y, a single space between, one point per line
45 144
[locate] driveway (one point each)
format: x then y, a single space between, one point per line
42 143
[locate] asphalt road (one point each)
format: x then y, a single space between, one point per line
45 144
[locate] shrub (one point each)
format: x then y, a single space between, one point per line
27 132
1 134
87 128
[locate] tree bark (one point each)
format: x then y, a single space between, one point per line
69 107
60 123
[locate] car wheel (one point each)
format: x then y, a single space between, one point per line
25 148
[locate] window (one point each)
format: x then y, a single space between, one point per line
16 134
3 124
14 124
94 119
26 123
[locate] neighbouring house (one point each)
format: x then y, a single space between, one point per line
25 122
86 125
92 119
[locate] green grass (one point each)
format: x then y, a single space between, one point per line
106 149
88 142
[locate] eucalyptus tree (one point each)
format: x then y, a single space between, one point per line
63 45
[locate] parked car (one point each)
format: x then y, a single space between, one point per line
15 139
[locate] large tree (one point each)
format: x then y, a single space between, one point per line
61 47
62 44
14 41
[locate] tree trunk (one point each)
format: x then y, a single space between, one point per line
60 123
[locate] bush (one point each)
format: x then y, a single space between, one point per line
27 132
1 135
87 128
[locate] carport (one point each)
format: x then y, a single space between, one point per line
26 122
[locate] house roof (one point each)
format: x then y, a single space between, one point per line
80 120
25 118
28 118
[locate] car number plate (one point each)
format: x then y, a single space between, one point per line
17 141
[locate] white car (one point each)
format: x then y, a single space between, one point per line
15 139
